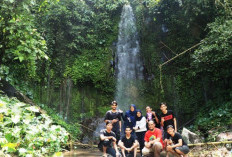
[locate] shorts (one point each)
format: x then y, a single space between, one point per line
105 144
184 149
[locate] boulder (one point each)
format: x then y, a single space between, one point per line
224 136
190 137
91 130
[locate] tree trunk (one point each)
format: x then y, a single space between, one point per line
82 102
69 96
49 88
205 90
10 91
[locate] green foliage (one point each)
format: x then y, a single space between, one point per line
214 120
215 52
91 68
21 45
73 129
151 3
103 109
74 29
197 78
25 131
78 35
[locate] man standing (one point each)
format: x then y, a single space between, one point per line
128 144
153 141
107 137
176 145
115 117
167 118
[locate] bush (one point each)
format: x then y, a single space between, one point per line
73 129
214 121
27 132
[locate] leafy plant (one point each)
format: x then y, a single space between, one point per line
215 120
73 129
25 131
21 44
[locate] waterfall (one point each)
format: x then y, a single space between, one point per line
129 67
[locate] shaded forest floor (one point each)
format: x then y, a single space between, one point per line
80 152
195 152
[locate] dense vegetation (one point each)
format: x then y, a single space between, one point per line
197 84
61 54
27 132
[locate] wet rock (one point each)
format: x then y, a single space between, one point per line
190 137
85 140
91 129
227 136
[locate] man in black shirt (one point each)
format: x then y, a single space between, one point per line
115 117
107 137
167 118
176 144
128 144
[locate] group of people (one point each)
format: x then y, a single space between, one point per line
152 133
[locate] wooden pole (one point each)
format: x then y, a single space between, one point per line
160 66
210 143
86 127
167 47
180 54
161 84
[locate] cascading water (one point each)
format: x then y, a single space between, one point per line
129 65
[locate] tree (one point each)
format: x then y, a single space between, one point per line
21 44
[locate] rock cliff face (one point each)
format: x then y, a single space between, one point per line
91 130
190 137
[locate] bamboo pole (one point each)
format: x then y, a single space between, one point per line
161 84
210 143
167 47
180 54
86 127
165 56
160 66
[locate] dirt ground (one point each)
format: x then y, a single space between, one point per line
83 153
194 152
210 152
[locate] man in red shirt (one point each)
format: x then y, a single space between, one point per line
153 141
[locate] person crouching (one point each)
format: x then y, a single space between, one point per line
153 141
107 138
128 144
175 144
